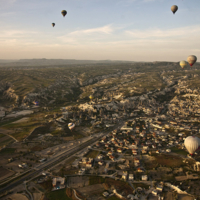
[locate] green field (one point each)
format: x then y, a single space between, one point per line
168 160
92 154
113 198
179 151
7 151
58 195
96 180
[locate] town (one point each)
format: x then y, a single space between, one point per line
127 141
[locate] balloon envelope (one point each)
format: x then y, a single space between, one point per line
91 97
63 12
191 59
192 143
174 8
53 24
71 126
183 63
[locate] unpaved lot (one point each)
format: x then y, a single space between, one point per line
4 173
91 190
24 119
18 197
184 197
78 181
6 131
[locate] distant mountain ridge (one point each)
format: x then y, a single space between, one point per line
45 62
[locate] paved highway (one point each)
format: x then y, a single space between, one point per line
49 164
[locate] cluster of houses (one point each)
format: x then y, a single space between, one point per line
138 141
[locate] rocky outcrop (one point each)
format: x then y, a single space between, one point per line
10 95
90 81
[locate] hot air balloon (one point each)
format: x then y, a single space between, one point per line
91 97
183 63
63 12
191 59
71 126
53 24
174 8
192 143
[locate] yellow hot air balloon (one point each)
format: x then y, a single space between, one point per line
91 97
183 63
174 8
191 59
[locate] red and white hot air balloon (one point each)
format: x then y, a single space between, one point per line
191 59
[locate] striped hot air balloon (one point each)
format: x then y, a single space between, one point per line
71 126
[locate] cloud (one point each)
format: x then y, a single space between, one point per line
105 30
86 36
16 34
159 33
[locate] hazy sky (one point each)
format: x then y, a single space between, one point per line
138 30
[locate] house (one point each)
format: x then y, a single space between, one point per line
88 164
106 145
81 171
58 183
101 163
159 188
100 156
154 192
145 147
140 170
124 176
97 144
144 151
131 177
84 160
144 177
112 158
119 150
136 160
134 151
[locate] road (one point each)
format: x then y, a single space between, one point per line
55 160
48 164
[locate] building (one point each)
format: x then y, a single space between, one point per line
58 183
144 177
130 177
197 166
159 188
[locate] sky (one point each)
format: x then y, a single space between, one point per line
134 30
